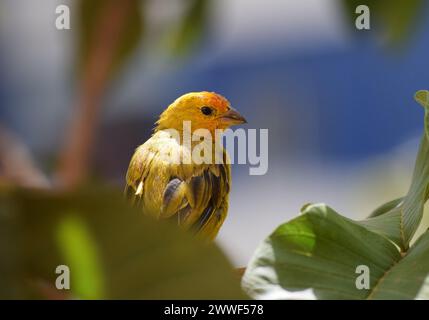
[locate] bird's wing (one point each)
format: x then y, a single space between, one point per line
206 194
196 195
213 215
137 173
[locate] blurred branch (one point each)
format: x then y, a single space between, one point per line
16 164
103 45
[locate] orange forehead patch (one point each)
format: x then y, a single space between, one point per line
217 101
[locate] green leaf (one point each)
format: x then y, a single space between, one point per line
393 19
423 294
399 219
108 25
388 206
422 97
389 225
113 251
321 251
409 277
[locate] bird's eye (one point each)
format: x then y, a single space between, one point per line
207 111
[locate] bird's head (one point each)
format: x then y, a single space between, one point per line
205 110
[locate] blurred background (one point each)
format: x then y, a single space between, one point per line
338 102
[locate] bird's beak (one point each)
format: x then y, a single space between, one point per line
232 117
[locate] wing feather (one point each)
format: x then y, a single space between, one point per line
196 194
174 198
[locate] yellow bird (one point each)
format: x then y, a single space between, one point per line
195 194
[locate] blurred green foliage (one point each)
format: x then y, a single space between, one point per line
112 250
394 19
80 253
